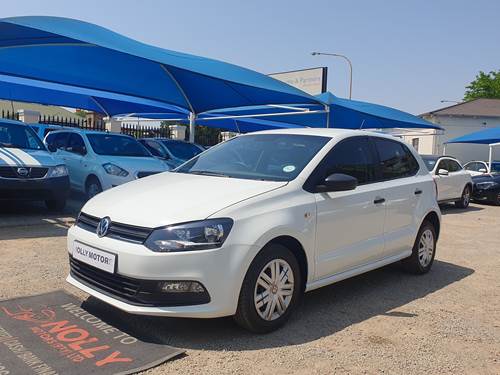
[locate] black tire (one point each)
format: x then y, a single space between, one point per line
246 314
55 204
414 263
465 198
92 187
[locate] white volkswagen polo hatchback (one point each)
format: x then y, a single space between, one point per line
248 226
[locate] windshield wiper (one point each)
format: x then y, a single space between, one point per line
209 173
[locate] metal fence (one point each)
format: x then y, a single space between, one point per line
204 136
10 115
82 123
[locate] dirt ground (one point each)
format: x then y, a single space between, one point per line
446 322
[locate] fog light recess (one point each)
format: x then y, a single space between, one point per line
181 287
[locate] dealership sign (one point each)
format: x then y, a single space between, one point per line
312 81
52 334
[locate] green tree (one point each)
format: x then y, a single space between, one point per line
485 85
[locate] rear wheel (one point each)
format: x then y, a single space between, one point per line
92 187
56 204
424 250
465 198
270 291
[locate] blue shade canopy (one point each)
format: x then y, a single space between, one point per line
343 113
484 137
82 55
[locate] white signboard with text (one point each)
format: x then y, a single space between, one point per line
312 81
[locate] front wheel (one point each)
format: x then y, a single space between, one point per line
424 250
465 198
92 187
271 289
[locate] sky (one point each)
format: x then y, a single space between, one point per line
407 54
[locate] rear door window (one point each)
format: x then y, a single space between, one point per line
396 160
454 166
58 140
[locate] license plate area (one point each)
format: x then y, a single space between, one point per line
97 258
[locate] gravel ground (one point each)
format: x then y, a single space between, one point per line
386 321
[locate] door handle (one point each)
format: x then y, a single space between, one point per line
379 200
418 192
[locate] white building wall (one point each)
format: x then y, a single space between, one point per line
459 126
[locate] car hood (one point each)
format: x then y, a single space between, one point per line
170 198
18 157
486 178
134 164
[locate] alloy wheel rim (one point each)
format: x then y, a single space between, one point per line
274 289
426 248
466 197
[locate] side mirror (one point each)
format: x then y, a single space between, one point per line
482 170
337 182
443 172
52 147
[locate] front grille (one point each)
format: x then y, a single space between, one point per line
134 291
124 232
145 174
31 172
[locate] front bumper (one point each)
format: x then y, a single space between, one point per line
488 195
34 189
220 271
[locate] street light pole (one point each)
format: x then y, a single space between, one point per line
348 62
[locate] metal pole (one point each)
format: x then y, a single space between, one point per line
444 149
192 126
348 62
490 159
327 111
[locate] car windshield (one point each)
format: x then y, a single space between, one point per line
430 162
19 136
495 168
116 145
182 150
273 157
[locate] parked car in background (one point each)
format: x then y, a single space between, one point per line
43 129
173 151
98 161
487 188
477 168
246 227
453 183
27 170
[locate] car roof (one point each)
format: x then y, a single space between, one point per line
436 157
329 132
13 122
85 131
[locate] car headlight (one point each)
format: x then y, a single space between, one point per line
486 185
114 170
58 171
199 235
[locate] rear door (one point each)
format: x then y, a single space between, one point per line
457 177
402 191
444 183
350 224
74 157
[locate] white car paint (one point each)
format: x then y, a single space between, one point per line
450 186
477 167
81 167
342 233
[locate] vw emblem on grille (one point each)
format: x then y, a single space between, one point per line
103 226
23 172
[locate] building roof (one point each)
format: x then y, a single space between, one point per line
475 107
47 110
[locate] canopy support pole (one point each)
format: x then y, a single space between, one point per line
327 111
192 126
490 158
444 149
